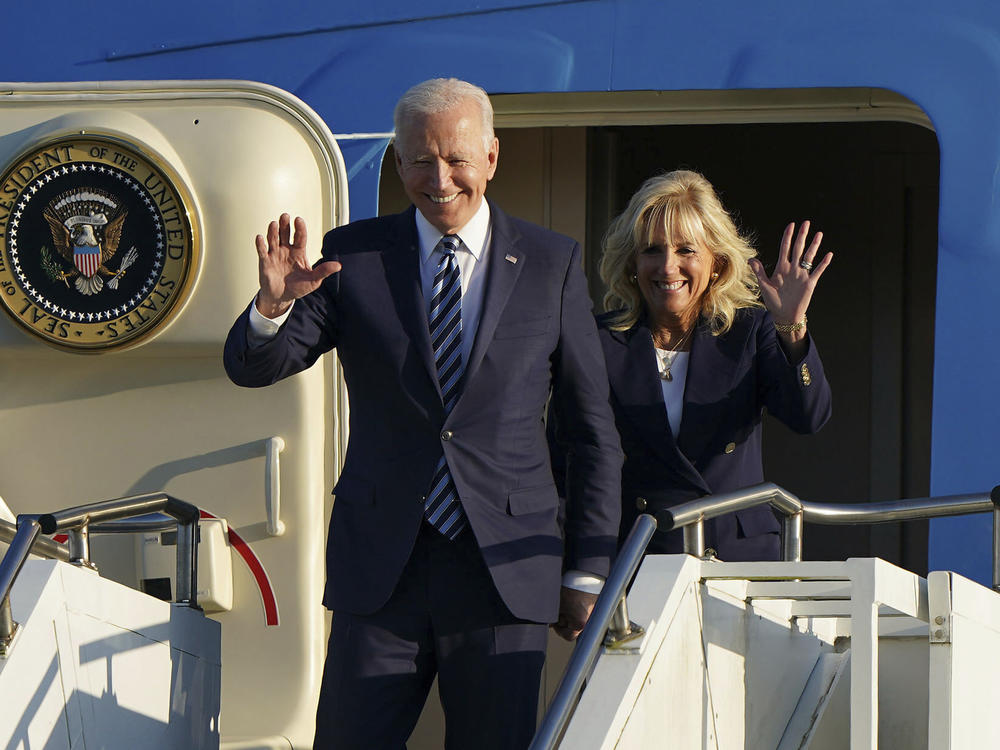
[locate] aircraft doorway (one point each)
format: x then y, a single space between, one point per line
870 186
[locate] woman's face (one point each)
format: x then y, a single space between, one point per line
673 274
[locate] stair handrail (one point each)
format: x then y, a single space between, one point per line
43 546
104 516
690 516
610 611
609 624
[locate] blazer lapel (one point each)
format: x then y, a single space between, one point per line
711 369
401 259
505 262
633 378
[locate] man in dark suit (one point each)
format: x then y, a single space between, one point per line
454 322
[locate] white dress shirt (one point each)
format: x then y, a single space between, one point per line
471 256
673 390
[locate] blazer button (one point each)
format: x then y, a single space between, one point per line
446 435
730 447
640 503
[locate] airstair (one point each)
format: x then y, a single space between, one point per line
699 655
86 662
797 656
793 655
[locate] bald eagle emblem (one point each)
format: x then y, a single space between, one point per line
86 225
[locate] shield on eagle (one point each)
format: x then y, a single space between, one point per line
86 226
86 247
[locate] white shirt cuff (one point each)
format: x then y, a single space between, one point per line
581 581
261 329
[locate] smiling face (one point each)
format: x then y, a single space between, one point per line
673 274
444 164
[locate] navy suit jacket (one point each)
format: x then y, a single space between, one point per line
536 334
731 379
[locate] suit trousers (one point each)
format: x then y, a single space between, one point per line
444 617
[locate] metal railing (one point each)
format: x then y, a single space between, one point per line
120 515
691 516
43 546
609 624
610 606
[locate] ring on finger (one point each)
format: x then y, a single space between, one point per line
806 265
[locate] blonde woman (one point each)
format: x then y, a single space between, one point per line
698 341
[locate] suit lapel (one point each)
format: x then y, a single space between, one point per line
633 378
711 369
505 262
401 259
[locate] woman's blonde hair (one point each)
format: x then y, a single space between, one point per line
680 203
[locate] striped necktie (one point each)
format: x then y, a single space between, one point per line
442 508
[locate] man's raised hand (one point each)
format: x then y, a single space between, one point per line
284 270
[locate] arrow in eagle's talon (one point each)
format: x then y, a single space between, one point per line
127 261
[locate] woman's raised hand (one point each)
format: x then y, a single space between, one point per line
787 291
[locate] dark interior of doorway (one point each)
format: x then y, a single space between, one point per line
872 188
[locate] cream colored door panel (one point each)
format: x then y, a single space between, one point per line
206 164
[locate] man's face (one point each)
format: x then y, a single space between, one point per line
445 165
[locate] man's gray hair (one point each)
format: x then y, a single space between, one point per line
439 95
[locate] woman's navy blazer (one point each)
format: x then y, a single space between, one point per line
731 379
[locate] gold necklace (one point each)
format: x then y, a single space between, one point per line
665 357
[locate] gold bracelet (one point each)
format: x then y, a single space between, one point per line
791 327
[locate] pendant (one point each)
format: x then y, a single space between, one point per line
665 375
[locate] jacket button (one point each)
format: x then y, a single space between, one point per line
806 375
730 447
640 503
446 435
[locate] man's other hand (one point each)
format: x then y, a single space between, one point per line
574 611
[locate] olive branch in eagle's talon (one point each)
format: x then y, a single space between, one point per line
52 269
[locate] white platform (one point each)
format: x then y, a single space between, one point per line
97 665
797 656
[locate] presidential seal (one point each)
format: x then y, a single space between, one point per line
97 245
